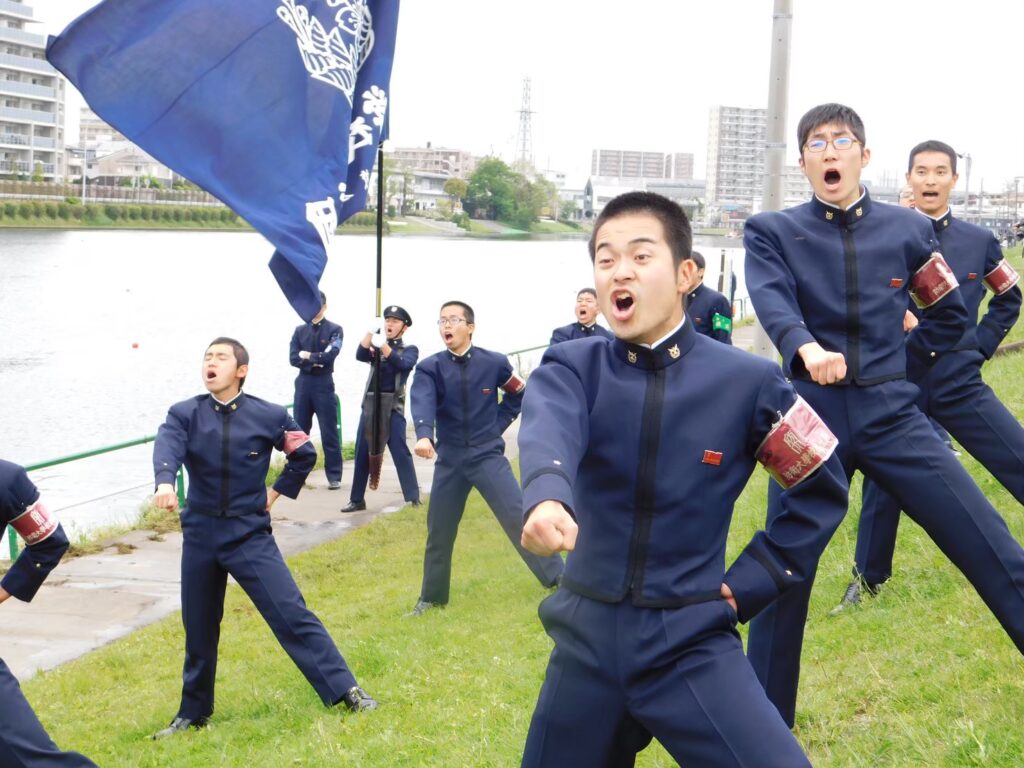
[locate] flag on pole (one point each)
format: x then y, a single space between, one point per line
274 106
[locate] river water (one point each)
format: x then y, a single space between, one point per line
103 330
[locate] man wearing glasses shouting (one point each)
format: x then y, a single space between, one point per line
455 397
829 282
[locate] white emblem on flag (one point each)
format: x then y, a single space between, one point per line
360 134
332 57
375 102
324 218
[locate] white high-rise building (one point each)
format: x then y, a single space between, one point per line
31 99
735 167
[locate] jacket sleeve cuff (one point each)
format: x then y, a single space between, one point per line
548 487
752 585
20 584
791 341
289 485
425 430
165 476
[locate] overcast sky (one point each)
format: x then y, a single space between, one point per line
643 74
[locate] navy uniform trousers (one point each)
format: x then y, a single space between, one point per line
954 395
458 470
400 454
244 547
883 434
24 743
315 394
688 681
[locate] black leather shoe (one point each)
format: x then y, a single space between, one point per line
354 506
422 606
358 700
179 725
415 503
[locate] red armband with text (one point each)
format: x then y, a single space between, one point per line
293 441
1002 278
797 445
932 281
513 386
35 524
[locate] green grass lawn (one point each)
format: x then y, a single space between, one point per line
922 675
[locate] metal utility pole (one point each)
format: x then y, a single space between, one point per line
775 148
524 137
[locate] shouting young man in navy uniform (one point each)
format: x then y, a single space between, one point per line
23 740
225 440
953 392
455 396
397 360
829 282
586 320
707 308
313 349
625 466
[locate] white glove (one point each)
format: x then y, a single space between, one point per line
379 340
303 355
375 326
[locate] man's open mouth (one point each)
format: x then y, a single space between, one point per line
211 375
832 176
449 336
623 301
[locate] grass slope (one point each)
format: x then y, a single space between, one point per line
922 675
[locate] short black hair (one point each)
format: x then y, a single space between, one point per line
932 145
698 258
823 114
673 220
241 353
467 310
591 291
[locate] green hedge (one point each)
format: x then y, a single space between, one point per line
30 211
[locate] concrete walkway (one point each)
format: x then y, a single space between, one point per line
89 601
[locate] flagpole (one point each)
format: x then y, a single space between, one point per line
377 460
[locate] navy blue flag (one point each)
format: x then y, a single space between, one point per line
274 106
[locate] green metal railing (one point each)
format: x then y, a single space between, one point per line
12 540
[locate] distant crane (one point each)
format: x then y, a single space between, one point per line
524 138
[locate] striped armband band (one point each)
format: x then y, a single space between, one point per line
797 444
35 524
513 386
1002 278
932 281
294 440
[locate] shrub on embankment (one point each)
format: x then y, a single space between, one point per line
71 213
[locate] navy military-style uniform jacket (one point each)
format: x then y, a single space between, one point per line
954 393
456 397
226 530
627 439
226 449
394 373
840 277
649 450
578 331
701 307
973 252
394 369
792 260
23 739
26 575
323 341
